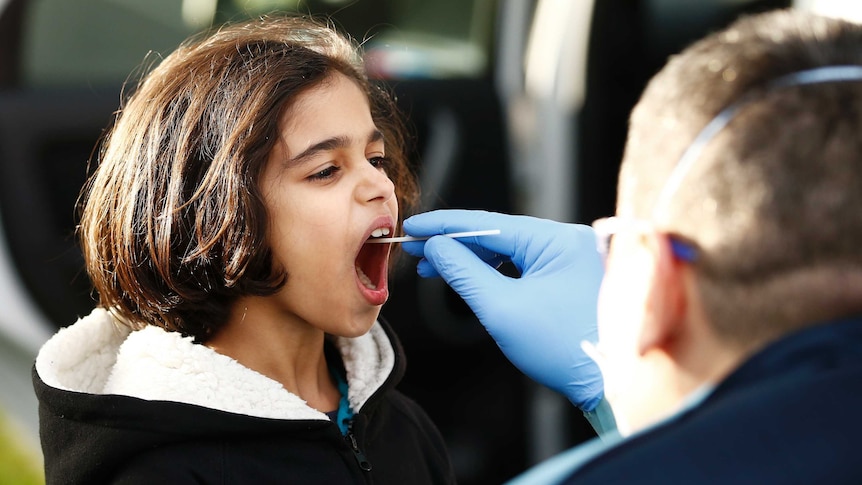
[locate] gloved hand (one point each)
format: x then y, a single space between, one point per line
538 320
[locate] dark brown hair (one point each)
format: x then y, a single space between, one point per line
773 203
173 225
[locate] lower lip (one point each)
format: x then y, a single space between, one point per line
375 297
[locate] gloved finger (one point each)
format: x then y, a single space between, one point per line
437 226
445 221
414 248
517 233
465 272
489 257
426 270
458 220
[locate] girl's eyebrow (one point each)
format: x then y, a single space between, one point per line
334 143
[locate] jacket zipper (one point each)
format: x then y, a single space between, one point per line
350 438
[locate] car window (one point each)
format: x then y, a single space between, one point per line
97 42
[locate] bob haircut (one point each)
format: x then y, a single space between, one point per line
173 225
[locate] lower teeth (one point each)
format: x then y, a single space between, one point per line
365 279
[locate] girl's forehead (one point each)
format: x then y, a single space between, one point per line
334 109
332 89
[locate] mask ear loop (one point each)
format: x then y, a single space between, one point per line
819 75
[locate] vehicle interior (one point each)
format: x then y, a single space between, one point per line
516 106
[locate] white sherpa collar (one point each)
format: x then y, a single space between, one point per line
96 355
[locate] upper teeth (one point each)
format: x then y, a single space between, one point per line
380 232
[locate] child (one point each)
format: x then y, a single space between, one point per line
225 229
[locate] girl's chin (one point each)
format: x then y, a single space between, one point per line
356 330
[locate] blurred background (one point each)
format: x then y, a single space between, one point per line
517 106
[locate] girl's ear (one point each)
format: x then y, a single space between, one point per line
666 298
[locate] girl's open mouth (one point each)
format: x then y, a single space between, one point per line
372 264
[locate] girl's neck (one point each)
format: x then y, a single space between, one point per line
290 353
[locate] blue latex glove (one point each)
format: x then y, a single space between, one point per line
537 320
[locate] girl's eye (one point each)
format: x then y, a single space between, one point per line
326 173
378 162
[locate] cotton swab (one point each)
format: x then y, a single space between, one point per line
401 239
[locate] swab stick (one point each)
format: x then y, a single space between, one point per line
489 232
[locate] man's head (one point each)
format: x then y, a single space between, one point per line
771 204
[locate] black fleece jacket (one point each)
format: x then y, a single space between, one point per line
94 438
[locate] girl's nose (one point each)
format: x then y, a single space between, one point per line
374 184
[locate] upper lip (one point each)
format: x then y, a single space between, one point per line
380 221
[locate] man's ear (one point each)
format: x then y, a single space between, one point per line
666 297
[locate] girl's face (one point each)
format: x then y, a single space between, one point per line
326 191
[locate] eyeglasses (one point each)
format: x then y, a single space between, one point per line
607 227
